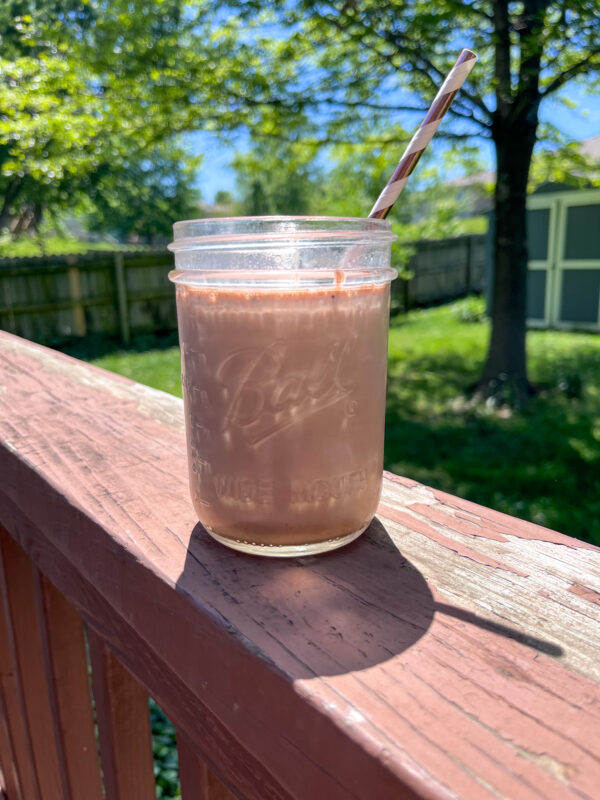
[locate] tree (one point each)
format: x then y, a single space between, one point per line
61 120
145 197
277 178
223 198
359 64
91 90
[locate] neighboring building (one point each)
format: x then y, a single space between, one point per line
474 191
563 273
215 209
591 148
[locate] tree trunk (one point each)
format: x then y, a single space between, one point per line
505 373
11 192
514 131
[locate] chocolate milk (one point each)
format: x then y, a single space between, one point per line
284 394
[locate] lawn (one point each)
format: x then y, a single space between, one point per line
51 245
542 464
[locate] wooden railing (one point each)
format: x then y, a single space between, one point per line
452 651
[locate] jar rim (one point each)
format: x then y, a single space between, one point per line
224 233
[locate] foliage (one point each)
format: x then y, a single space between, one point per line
223 197
357 176
277 177
563 163
51 245
462 226
354 68
164 749
361 68
145 196
91 92
470 309
530 465
50 138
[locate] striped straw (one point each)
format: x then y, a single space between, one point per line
454 80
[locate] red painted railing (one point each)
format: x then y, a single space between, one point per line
450 652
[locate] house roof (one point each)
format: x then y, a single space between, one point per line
591 147
486 176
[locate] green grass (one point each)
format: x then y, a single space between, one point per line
542 464
44 245
160 369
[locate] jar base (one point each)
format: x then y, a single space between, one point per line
286 550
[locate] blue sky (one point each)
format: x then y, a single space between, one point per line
216 172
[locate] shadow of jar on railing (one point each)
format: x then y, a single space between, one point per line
330 614
321 615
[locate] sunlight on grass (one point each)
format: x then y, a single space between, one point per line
44 245
542 464
160 369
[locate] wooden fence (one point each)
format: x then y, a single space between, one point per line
451 651
442 270
56 299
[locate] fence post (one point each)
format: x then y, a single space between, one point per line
75 294
406 293
468 258
122 297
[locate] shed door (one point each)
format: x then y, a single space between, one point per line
540 227
577 290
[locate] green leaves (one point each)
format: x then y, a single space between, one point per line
145 196
278 177
92 93
51 120
89 88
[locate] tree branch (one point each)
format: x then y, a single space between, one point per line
466 9
531 40
416 58
381 141
502 57
455 109
292 104
420 62
333 101
564 77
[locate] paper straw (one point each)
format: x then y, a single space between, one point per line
448 90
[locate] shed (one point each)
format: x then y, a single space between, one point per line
563 273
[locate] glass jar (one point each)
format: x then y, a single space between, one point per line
283 326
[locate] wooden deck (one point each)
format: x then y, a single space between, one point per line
451 652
